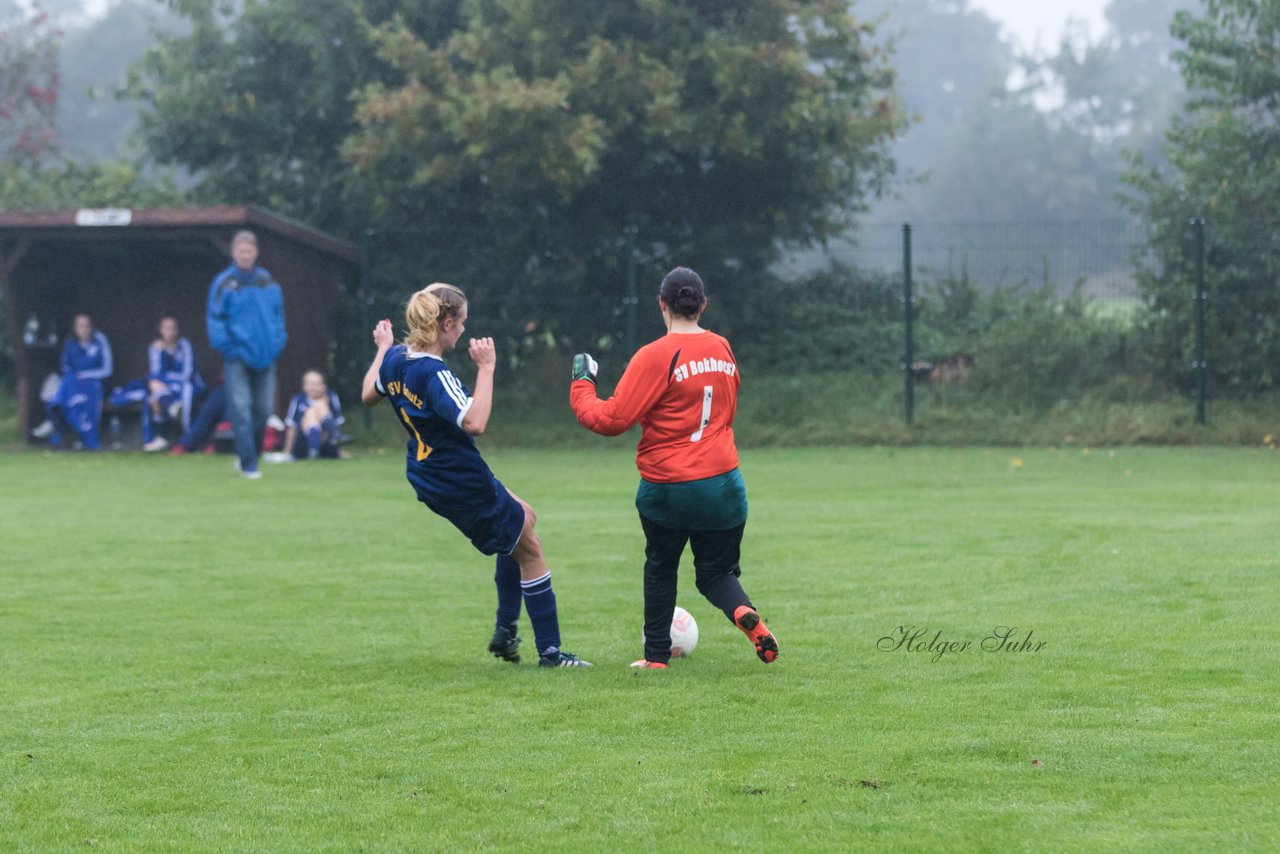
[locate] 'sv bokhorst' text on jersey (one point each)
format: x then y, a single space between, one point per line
683 391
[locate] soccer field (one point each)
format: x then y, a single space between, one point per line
192 662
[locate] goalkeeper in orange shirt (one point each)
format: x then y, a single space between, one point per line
683 390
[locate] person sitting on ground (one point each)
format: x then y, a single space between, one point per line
311 425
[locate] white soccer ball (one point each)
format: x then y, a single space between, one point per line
684 632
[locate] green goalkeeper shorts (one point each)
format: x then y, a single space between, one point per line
711 504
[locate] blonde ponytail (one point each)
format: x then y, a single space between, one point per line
427 310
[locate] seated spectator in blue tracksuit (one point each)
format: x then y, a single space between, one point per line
311 426
173 383
76 408
245 317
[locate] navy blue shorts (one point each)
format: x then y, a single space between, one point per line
493 528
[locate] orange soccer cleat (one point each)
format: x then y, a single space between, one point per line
746 618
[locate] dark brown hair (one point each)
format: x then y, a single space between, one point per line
683 292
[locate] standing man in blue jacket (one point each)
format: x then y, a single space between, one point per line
246 325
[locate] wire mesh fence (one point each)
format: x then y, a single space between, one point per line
1097 256
1021 314
1005 315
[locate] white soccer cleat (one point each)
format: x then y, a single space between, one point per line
252 474
159 443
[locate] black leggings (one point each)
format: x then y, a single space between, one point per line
715 563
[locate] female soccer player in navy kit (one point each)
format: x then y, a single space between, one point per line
441 415
683 390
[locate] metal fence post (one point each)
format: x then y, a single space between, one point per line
908 319
632 300
1199 363
366 303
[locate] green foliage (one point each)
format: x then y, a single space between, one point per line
835 319
507 145
659 115
1223 167
76 184
1030 347
256 103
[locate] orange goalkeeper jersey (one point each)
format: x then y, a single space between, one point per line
683 389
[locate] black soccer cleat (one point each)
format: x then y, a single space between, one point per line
505 644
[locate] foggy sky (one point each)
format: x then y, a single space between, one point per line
1029 22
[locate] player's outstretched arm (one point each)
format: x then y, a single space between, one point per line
383 337
641 385
486 358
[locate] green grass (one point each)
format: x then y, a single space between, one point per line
190 662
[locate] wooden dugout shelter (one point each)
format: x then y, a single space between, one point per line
128 268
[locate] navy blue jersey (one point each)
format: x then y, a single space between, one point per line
300 403
430 402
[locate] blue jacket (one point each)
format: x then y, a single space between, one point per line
246 317
90 361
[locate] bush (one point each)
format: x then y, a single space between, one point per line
1030 348
834 320
1037 349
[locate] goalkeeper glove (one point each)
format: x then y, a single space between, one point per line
584 368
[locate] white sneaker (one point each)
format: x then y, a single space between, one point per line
43 431
251 475
159 443
175 409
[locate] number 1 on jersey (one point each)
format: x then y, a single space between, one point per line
706 413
